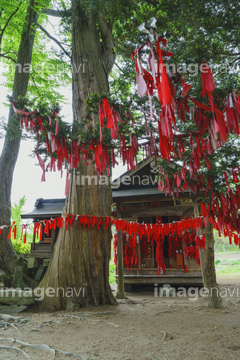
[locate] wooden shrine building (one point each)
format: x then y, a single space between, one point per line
45 209
136 198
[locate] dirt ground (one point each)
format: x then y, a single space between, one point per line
228 256
142 327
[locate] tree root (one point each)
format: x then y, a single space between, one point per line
165 311
6 321
13 318
15 349
39 347
100 320
73 315
229 312
94 313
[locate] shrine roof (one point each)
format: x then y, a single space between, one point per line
46 208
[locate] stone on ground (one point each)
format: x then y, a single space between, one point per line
18 278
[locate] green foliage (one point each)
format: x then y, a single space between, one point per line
196 31
49 69
11 23
112 279
20 247
16 212
17 209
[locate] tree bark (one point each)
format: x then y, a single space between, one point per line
8 257
210 281
80 260
199 232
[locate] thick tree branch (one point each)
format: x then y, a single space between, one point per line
232 62
55 40
10 52
8 57
57 13
231 54
8 20
119 67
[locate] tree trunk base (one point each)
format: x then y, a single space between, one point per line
8 257
210 282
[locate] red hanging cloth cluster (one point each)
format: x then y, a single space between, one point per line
145 247
128 154
24 121
217 127
193 243
153 231
160 256
223 213
130 260
85 221
63 157
162 83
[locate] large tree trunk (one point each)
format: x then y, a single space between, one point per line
80 261
210 281
8 257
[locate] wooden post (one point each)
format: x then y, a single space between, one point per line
139 252
199 232
120 293
34 240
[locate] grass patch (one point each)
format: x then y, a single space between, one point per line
235 262
229 269
224 262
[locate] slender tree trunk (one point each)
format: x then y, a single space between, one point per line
210 281
8 257
80 263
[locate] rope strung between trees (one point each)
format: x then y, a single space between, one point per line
89 222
